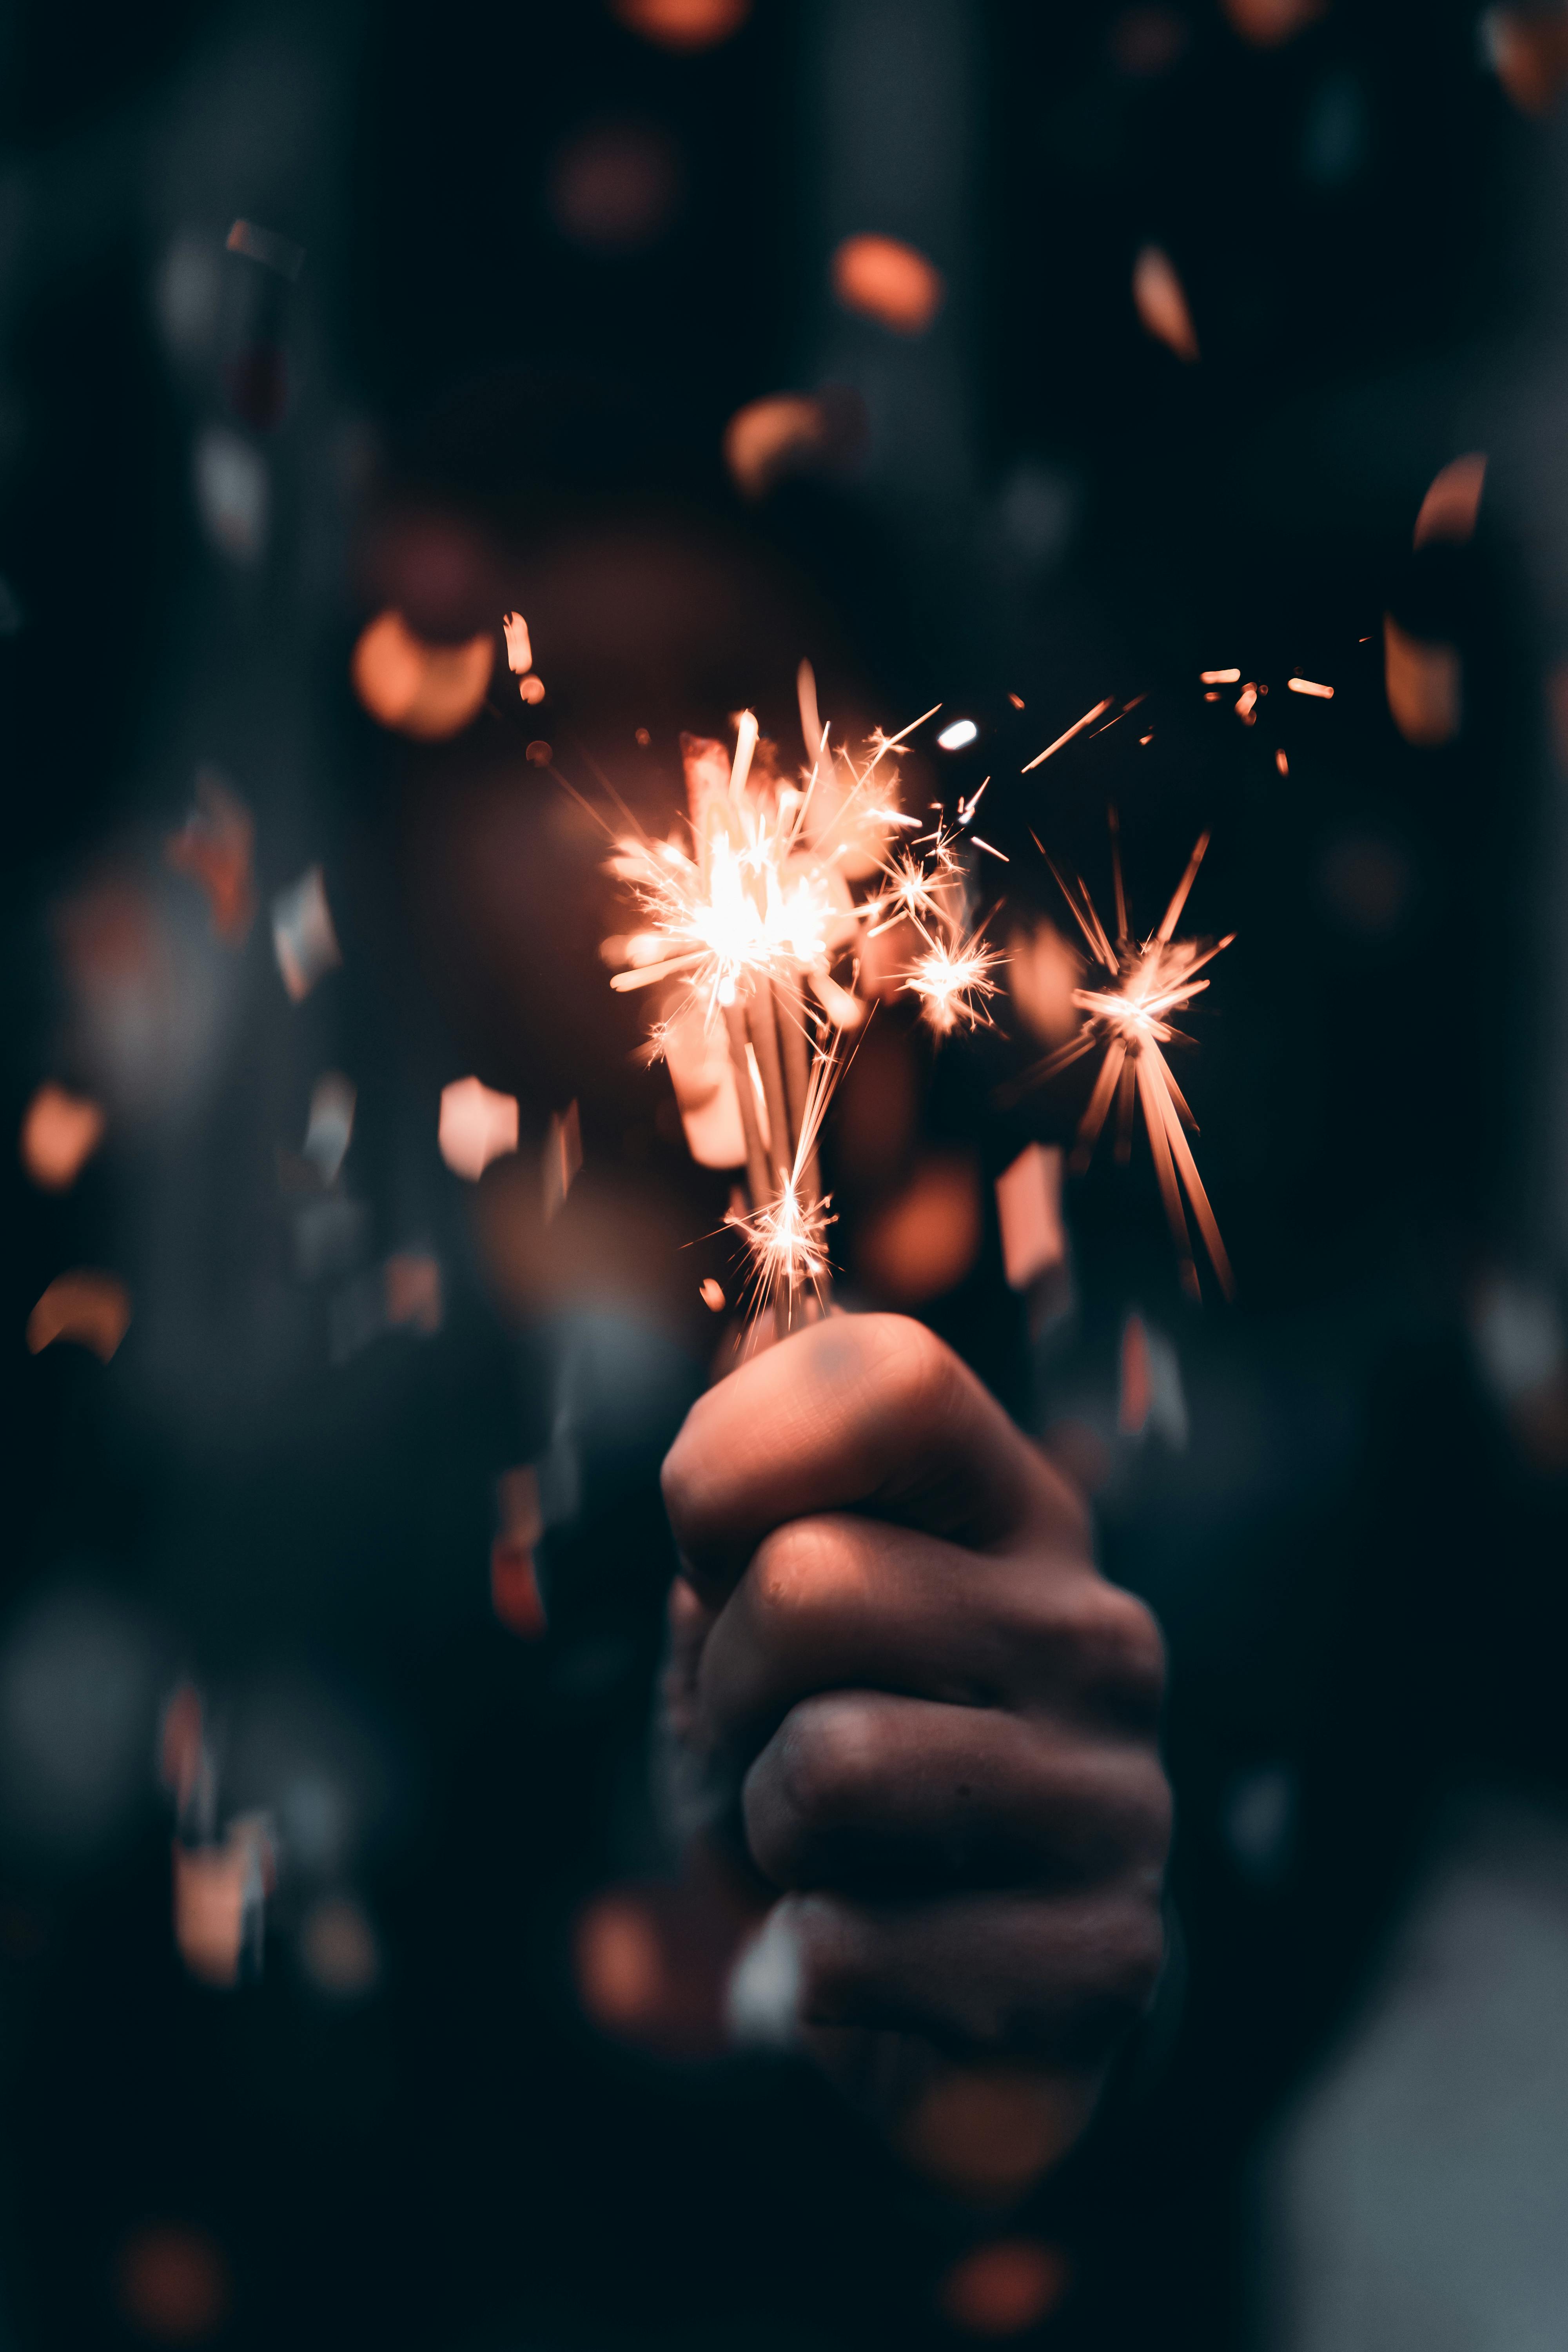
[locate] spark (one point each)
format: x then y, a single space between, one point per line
786 1237
1310 686
962 731
1129 1013
953 979
1076 728
1219 677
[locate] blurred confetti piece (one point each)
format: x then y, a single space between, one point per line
1004 2288
769 438
788 432
1269 24
214 847
264 244
172 2285
925 1239
1029 1211
303 938
1424 686
619 1962
424 691
690 24
1527 49
519 658
1151 1398
185 1760
411 1283
563 1158
234 494
1450 507
885 279
615 187
220 1893
1160 302
703 1076
1042 972
514 1580
60 1132
987 2132
1147 42
339 1951
85 1305
519 645
1132 1386
712 1296
332 1124
477 1125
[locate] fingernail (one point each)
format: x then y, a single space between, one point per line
761 2002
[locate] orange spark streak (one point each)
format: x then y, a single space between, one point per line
1076 729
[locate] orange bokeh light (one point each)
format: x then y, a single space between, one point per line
91 1307
689 25
1006 2287
925 1239
60 1132
1452 503
885 279
424 691
1160 302
1269 24
172 2284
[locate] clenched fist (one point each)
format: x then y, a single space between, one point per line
899 1675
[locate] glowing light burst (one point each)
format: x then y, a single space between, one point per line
1129 1015
786 1238
749 912
953 979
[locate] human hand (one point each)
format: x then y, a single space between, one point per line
932 1721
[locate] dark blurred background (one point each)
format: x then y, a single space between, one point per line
997 355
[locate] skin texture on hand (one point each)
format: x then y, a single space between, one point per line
931 1721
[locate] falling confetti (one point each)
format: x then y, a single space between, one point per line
890 281
60 1132
1160 302
1452 502
477 1124
303 938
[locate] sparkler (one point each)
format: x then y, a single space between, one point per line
750 913
1129 1015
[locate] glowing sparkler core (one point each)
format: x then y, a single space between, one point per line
1150 981
751 915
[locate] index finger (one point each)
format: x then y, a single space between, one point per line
864 1412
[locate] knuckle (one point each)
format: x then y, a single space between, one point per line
1132 1953
1106 1637
679 1476
916 1370
788 1570
823 1749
